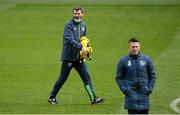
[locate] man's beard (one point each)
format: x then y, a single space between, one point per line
135 53
77 20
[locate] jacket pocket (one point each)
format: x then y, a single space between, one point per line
129 90
146 90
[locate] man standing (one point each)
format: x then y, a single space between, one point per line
136 78
70 57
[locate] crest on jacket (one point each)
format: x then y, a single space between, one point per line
129 63
83 28
142 63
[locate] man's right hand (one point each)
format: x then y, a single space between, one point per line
84 50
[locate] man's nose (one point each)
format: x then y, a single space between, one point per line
76 15
135 48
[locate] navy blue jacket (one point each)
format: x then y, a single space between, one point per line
71 40
136 77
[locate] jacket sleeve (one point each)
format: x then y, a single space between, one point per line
120 80
151 75
69 38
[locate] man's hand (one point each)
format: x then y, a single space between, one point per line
84 50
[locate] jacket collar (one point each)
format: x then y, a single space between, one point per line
135 56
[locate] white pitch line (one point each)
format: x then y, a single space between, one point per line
174 104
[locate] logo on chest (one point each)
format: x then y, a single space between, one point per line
141 62
83 28
129 63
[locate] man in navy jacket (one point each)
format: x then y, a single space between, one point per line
70 57
136 78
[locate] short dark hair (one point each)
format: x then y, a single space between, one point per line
133 40
77 8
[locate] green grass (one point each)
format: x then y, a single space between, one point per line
31 42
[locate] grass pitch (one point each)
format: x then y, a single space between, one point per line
31 43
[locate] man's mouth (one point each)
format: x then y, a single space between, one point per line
77 19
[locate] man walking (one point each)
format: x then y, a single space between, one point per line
136 78
70 57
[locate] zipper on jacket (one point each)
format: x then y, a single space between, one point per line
79 31
136 65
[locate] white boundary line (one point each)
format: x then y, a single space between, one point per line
174 104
